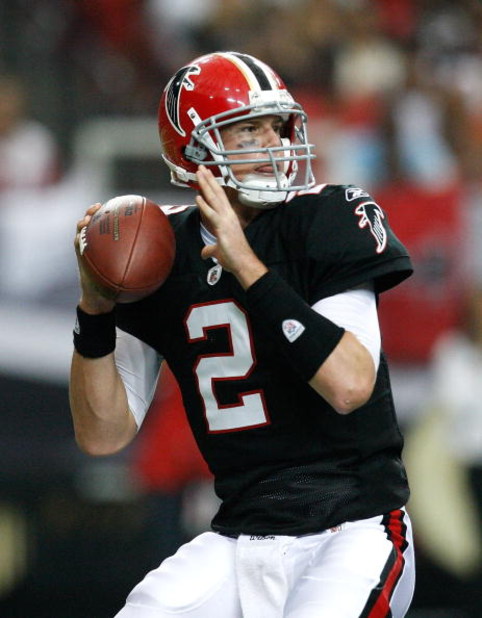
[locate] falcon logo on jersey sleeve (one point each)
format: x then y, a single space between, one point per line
371 217
174 90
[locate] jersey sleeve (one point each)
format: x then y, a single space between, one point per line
350 242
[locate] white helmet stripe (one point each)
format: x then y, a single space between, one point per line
257 74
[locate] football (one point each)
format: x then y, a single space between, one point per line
128 248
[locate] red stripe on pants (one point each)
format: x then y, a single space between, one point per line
395 532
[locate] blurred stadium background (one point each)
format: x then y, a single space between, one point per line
393 89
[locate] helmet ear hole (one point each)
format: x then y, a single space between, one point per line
195 152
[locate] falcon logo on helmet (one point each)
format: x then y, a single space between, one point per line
173 92
372 215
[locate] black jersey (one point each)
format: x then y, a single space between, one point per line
284 461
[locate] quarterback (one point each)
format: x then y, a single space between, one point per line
268 321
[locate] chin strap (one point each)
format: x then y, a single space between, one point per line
263 200
261 193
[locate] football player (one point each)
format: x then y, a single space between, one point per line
268 321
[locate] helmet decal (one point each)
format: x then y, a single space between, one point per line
255 72
173 92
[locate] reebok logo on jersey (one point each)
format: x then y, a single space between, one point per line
292 329
354 193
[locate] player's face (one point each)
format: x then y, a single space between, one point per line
262 132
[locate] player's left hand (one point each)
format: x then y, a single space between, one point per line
92 300
232 250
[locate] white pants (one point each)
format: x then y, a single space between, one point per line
362 569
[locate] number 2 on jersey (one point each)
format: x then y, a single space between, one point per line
234 365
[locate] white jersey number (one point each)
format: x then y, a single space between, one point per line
235 364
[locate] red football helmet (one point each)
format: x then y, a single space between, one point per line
219 89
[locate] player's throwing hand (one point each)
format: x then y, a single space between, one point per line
232 250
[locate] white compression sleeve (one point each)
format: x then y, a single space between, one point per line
138 365
356 311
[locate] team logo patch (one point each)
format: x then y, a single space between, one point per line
214 274
292 329
354 193
174 89
371 217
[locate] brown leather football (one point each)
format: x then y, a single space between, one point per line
128 248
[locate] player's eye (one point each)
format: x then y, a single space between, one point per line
249 128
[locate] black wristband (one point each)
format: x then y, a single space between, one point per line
306 337
94 335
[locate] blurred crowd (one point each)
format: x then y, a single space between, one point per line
393 90
396 80
393 86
